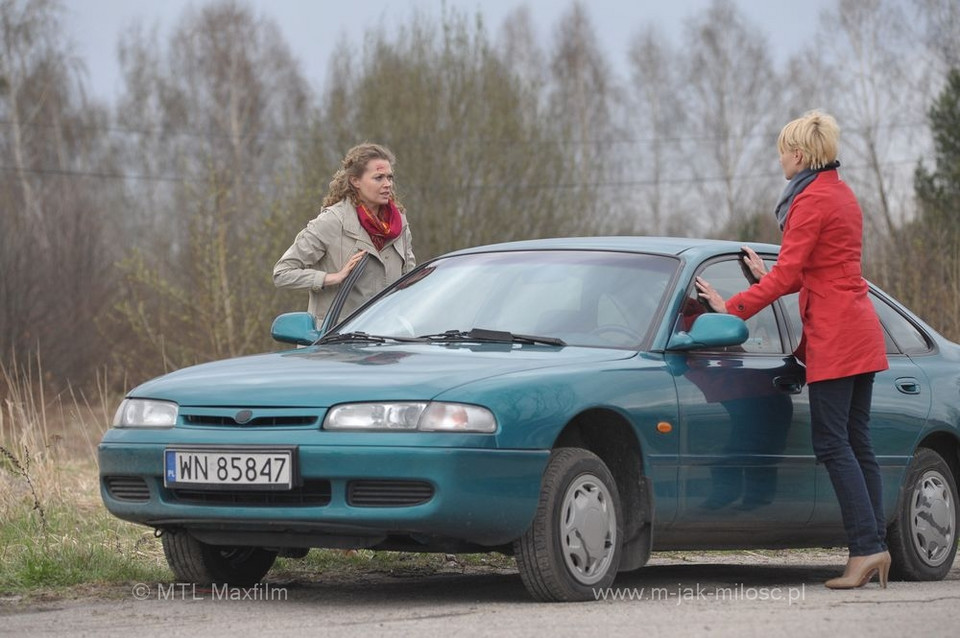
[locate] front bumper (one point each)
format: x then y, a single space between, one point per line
481 496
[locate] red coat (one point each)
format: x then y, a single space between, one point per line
820 257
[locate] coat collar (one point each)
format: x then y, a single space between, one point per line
353 229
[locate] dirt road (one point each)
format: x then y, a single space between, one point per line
728 594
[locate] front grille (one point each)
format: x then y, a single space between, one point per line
378 493
312 493
127 488
261 421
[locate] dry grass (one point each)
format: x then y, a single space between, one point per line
56 532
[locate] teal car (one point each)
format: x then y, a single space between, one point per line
566 401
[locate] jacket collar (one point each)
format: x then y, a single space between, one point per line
353 229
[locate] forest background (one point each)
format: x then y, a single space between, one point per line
139 236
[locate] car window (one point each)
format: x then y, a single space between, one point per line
557 296
791 306
902 331
332 315
588 298
890 320
728 279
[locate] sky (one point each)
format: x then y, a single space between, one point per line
313 27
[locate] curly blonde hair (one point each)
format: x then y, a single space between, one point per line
354 163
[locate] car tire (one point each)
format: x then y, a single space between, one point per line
197 562
572 549
923 538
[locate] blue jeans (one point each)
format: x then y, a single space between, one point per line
840 417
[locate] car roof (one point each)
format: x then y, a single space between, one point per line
674 246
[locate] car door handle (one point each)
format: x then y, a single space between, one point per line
791 385
907 385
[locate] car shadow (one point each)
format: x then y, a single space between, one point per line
507 587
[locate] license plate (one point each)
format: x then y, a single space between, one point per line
229 468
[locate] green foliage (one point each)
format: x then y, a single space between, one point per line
221 106
217 304
938 192
921 263
74 547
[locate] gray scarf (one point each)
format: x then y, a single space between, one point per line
795 186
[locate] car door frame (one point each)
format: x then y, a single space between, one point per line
332 317
782 453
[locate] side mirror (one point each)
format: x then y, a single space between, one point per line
711 330
295 327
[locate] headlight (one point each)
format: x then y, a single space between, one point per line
410 417
145 413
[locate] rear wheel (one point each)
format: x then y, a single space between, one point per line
923 538
573 547
196 562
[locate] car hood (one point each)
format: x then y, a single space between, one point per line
321 376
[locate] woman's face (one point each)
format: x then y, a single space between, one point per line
791 161
375 186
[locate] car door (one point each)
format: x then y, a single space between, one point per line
745 452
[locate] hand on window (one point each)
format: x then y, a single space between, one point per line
754 262
710 295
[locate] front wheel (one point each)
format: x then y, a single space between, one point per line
572 548
923 538
196 562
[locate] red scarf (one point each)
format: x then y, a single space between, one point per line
381 231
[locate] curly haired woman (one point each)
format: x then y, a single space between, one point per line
360 215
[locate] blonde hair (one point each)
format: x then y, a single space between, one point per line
815 134
354 163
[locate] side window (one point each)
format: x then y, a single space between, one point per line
910 334
727 277
904 333
791 306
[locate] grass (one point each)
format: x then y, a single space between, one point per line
56 534
75 545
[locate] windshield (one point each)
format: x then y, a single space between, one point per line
584 298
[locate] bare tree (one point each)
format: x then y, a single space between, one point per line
876 113
940 24
214 120
517 47
476 162
732 97
583 102
56 251
657 122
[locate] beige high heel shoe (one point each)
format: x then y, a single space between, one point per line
860 571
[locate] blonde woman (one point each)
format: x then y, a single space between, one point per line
842 343
360 215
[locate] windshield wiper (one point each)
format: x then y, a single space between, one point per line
495 336
363 336
352 336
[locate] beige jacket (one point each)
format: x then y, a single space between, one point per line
326 244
